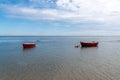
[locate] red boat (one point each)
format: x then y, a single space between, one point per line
89 44
29 45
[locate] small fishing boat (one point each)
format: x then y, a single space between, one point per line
77 46
89 44
29 45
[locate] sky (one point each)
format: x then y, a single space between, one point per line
60 17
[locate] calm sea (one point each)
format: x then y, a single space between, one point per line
55 58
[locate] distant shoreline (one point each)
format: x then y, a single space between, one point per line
60 35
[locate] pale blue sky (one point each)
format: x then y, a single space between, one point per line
60 17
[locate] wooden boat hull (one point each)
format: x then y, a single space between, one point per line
89 44
29 45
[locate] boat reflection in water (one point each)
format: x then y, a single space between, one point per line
89 44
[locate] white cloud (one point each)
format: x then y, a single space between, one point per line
69 11
39 14
48 14
90 6
92 9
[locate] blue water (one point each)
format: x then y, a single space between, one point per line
55 58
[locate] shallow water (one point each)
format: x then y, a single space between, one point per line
55 58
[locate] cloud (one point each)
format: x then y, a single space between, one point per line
90 6
70 11
48 14
94 33
43 3
39 14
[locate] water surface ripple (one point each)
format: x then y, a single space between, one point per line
55 58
